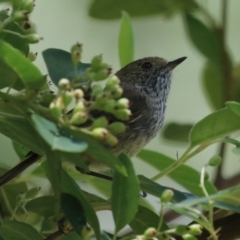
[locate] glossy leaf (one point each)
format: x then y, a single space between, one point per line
55 137
125 41
204 38
234 106
177 132
110 9
145 219
18 230
184 175
24 68
73 211
125 195
156 189
214 85
42 206
215 125
59 64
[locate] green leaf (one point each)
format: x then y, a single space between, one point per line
177 132
228 199
213 84
18 230
73 211
59 64
68 185
156 189
111 9
20 150
145 219
215 125
55 137
24 68
42 206
71 236
204 38
16 41
125 195
125 41
184 175
234 106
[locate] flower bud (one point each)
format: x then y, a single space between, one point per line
32 56
215 161
117 127
116 91
76 52
86 232
167 196
150 233
28 5
101 75
79 118
195 229
108 105
96 89
79 107
122 114
20 15
111 140
113 81
78 94
188 237
64 84
33 38
67 98
181 230
100 122
32 193
122 103
96 63
55 109
99 133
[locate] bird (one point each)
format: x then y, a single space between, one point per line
146 84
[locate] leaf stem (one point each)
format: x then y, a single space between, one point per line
160 218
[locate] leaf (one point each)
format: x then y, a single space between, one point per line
55 137
184 175
16 41
68 185
125 195
71 236
156 189
177 132
234 106
213 84
125 41
145 219
59 64
20 150
73 211
215 125
18 230
204 38
42 206
24 68
110 9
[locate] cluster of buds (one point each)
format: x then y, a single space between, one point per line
188 232
115 110
98 70
20 14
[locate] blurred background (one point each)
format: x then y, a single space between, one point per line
62 23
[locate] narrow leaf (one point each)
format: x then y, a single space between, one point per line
184 175
125 195
24 68
73 211
125 41
215 125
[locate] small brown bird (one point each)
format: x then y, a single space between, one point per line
146 83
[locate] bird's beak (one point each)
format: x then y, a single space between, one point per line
174 63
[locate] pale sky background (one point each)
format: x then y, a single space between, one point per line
64 22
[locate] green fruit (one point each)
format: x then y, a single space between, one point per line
167 196
117 127
100 122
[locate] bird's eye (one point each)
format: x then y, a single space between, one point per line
146 65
